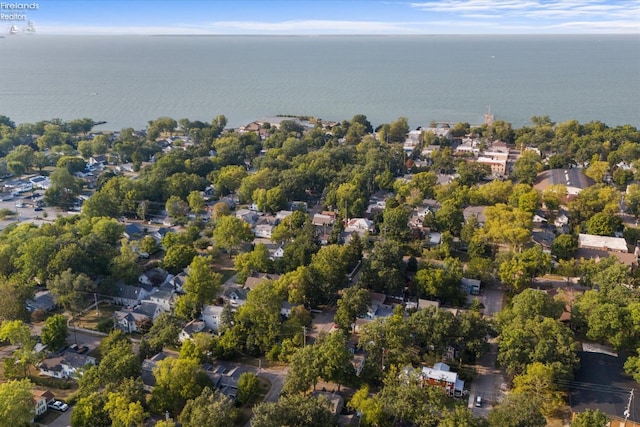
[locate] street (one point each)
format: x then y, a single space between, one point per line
487 383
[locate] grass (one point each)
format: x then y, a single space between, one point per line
246 411
90 319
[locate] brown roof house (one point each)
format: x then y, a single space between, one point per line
67 364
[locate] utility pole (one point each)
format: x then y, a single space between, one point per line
627 411
95 297
304 336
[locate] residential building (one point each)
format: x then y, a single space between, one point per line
67 364
256 278
41 399
441 376
598 247
235 296
192 328
130 296
42 300
211 315
359 225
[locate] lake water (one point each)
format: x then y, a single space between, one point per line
129 80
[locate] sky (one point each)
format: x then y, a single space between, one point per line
325 17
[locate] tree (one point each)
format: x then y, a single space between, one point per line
590 418
178 257
16 403
176 207
247 386
54 333
335 359
125 265
210 409
538 384
545 340
230 232
90 411
517 410
353 304
394 223
602 224
202 283
564 246
520 269
70 290
177 381
597 170
196 202
124 413
370 408
294 410
460 417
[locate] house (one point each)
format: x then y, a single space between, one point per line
598 247
235 296
247 216
148 366
359 225
154 277
477 211
278 253
602 243
280 215
136 319
323 219
286 308
264 230
41 399
561 221
41 182
378 307
441 376
192 328
130 296
98 161
129 321
256 278
67 364
133 231
164 297
211 315
178 281
42 300
470 286
158 234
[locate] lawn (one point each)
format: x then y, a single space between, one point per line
246 411
90 319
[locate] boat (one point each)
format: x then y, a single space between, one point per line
13 29
31 28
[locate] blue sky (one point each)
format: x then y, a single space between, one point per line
334 16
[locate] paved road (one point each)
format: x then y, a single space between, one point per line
64 420
487 383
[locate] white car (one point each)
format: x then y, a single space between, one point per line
58 405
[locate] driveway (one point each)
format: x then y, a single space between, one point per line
64 420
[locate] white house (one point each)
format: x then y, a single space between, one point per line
190 329
359 225
211 315
41 399
66 365
130 296
263 230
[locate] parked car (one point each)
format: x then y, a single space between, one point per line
58 405
478 402
37 208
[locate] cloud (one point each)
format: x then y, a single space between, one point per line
559 9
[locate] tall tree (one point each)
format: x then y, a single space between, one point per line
210 409
230 232
54 333
16 403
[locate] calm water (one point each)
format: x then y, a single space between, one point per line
128 80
